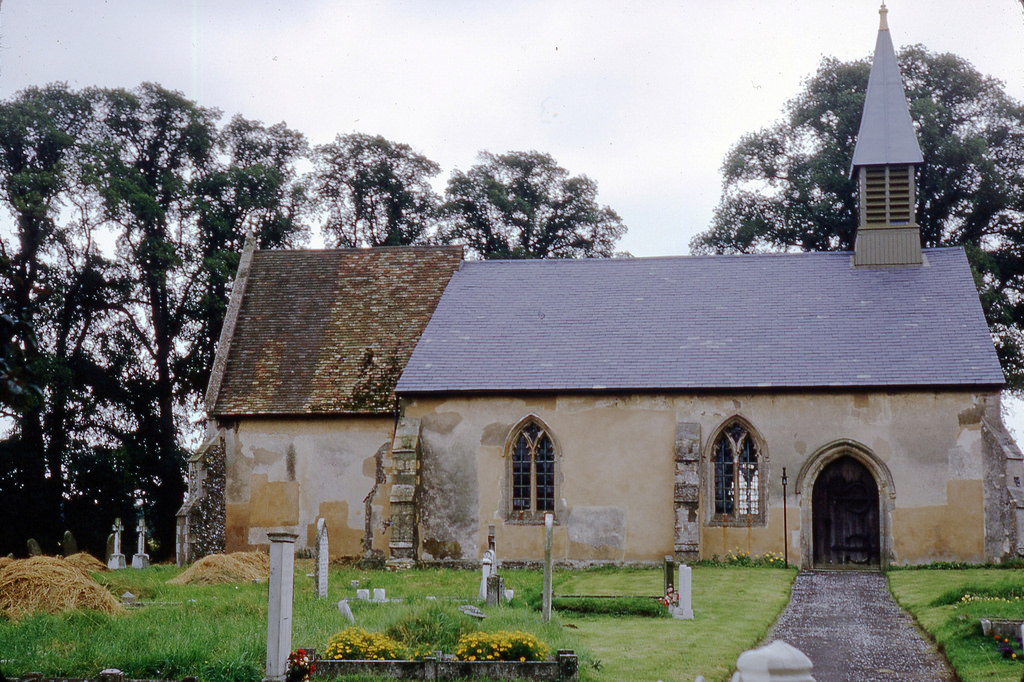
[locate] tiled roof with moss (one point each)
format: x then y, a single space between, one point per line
329 332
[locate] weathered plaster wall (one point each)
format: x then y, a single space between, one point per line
284 473
615 469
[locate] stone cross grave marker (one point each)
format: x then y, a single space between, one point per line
141 559
33 547
116 561
322 559
68 545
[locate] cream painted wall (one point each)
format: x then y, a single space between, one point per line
284 473
616 470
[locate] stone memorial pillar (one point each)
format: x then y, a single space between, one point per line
141 559
116 561
322 559
279 612
684 588
549 521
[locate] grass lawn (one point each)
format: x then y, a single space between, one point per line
935 598
218 632
666 649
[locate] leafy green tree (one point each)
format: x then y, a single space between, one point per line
374 192
40 131
524 205
253 184
789 186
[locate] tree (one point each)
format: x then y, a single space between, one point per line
524 205
374 192
789 186
40 132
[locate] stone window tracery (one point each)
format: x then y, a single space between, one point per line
532 484
737 475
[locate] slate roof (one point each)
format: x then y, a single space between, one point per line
329 331
707 322
886 134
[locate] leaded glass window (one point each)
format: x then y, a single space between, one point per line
736 464
531 473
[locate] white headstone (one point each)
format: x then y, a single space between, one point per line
378 594
775 662
346 611
322 559
363 595
486 571
116 561
279 612
684 588
141 559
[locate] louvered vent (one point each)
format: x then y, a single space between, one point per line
886 193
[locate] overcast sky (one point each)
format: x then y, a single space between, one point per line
644 97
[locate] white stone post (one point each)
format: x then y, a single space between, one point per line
548 531
279 612
775 662
684 588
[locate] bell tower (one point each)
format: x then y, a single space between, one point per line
885 159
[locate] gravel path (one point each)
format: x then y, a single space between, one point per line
850 627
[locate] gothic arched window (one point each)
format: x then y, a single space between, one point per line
531 473
738 475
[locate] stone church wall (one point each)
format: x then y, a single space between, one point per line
284 473
625 479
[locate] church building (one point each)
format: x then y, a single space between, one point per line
840 407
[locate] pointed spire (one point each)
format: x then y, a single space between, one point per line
884 161
886 134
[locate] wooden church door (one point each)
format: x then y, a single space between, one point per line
845 513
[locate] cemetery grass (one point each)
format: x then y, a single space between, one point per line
218 632
936 600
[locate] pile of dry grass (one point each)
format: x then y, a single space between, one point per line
237 567
4 560
50 585
86 562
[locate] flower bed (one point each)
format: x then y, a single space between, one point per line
564 669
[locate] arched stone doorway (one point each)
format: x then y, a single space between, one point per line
846 497
845 512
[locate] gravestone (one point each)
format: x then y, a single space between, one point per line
487 569
549 521
321 558
684 588
141 559
495 589
68 545
363 594
109 548
378 595
116 561
346 611
670 569
33 548
777 661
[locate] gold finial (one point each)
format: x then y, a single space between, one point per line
883 24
